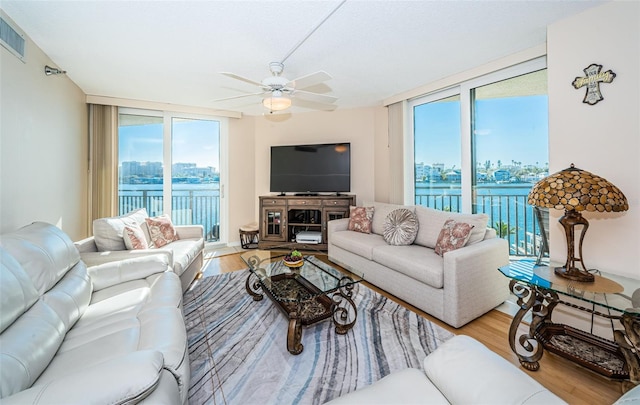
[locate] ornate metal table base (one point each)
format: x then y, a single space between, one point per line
306 305
618 360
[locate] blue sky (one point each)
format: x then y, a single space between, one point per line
194 141
509 128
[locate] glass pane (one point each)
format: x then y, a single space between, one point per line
438 154
195 174
510 153
140 163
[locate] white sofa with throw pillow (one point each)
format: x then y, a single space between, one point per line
135 234
110 334
444 263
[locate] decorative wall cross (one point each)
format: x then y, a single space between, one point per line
592 81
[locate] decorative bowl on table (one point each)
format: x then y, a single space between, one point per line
293 259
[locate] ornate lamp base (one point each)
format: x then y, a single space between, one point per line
575 274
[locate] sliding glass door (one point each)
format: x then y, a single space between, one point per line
171 164
195 174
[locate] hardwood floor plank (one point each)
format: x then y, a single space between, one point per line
573 383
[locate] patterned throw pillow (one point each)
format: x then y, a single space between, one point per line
400 227
134 238
453 235
360 219
161 230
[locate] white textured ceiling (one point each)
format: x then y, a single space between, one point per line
174 51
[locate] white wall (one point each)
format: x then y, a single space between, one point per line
359 126
43 146
604 138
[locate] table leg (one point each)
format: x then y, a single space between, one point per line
343 306
253 287
294 335
629 342
530 299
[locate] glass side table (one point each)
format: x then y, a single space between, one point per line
539 290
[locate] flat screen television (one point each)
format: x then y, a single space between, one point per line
311 169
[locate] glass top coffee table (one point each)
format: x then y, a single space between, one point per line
310 292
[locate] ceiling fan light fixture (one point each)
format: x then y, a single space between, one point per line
276 103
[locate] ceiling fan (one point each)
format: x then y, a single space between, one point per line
279 93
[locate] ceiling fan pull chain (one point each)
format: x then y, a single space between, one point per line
312 31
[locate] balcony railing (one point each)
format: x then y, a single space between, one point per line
189 207
509 215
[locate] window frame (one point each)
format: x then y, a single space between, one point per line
167 188
464 90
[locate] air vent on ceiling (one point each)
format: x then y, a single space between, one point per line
11 39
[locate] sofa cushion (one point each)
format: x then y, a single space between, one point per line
161 230
184 251
408 386
453 235
415 261
380 212
431 223
360 219
361 244
108 232
462 359
400 227
17 293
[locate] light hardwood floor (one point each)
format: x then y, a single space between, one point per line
574 384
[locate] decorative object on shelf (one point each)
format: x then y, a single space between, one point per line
592 81
576 190
293 259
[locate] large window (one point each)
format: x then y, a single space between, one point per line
510 151
437 155
171 164
480 146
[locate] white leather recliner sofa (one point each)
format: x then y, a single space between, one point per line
460 371
112 334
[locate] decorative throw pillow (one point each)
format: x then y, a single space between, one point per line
161 230
400 227
453 235
134 238
360 219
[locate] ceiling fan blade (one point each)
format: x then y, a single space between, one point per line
309 80
313 105
244 79
315 97
240 96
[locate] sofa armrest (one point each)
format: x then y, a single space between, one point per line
472 283
133 268
125 379
486 377
337 225
190 231
86 245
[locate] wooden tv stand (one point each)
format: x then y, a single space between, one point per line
283 216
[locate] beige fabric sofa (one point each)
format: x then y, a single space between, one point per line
460 371
69 335
185 255
456 288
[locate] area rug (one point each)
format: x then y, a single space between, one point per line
238 354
